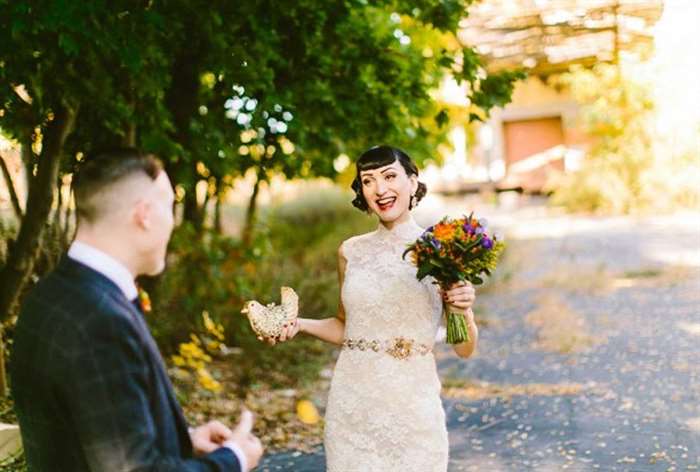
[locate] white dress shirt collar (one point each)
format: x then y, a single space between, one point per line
106 265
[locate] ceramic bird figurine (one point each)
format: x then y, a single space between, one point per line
268 321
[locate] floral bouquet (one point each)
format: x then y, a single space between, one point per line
454 251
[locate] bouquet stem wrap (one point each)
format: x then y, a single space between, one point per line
452 251
457 331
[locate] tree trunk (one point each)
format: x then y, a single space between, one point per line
205 206
130 136
129 139
3 375
28 159
21 259
66 235
59 203
11 189
220 197
193 211
182 102
251 213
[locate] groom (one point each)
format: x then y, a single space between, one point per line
90 387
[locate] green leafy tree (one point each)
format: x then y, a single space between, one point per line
325 78
63 64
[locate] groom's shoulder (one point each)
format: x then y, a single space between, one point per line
61 322
73 307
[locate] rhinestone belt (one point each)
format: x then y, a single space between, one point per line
399 348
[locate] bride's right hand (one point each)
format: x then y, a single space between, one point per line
288 332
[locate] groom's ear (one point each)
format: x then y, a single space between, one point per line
141 214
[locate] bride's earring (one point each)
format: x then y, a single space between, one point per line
414 202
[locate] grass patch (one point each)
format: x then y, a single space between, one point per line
457 388
642 273
559 328
572 278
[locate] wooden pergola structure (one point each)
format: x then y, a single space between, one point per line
548 36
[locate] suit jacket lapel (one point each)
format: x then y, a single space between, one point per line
161 371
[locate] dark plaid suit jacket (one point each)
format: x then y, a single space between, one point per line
90 387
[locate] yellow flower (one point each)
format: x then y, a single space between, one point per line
208 323
207 381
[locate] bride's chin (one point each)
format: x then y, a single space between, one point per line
392 218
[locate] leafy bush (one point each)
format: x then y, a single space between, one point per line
628 169
295 245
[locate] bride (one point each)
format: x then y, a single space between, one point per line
384 412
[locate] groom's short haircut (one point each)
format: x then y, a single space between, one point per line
99 173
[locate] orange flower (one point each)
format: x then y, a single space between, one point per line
444 232
144 300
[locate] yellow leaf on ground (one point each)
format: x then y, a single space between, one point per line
307 412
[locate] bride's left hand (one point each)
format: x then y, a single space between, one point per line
460 296
288 332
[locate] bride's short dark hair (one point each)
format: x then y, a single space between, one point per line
380 156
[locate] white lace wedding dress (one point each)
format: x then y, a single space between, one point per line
384 412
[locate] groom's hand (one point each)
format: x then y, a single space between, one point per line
246 441
209 437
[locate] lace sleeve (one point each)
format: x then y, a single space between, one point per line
347 249
343 251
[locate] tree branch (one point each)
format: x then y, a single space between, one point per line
11 189
20 261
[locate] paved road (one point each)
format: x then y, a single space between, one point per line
589 356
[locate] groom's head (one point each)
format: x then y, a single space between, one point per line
124 200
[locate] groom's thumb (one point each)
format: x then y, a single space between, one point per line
245 425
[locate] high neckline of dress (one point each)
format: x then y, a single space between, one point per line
405 231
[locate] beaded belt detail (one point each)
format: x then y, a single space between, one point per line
400 348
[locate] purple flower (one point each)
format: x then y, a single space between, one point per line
479 230
434 242
486 243
467 228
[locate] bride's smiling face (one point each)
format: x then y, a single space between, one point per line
387 191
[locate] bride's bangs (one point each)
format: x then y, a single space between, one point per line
376 157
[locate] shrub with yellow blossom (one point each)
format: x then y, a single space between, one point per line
196 354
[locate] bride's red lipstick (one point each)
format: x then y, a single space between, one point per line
387 205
